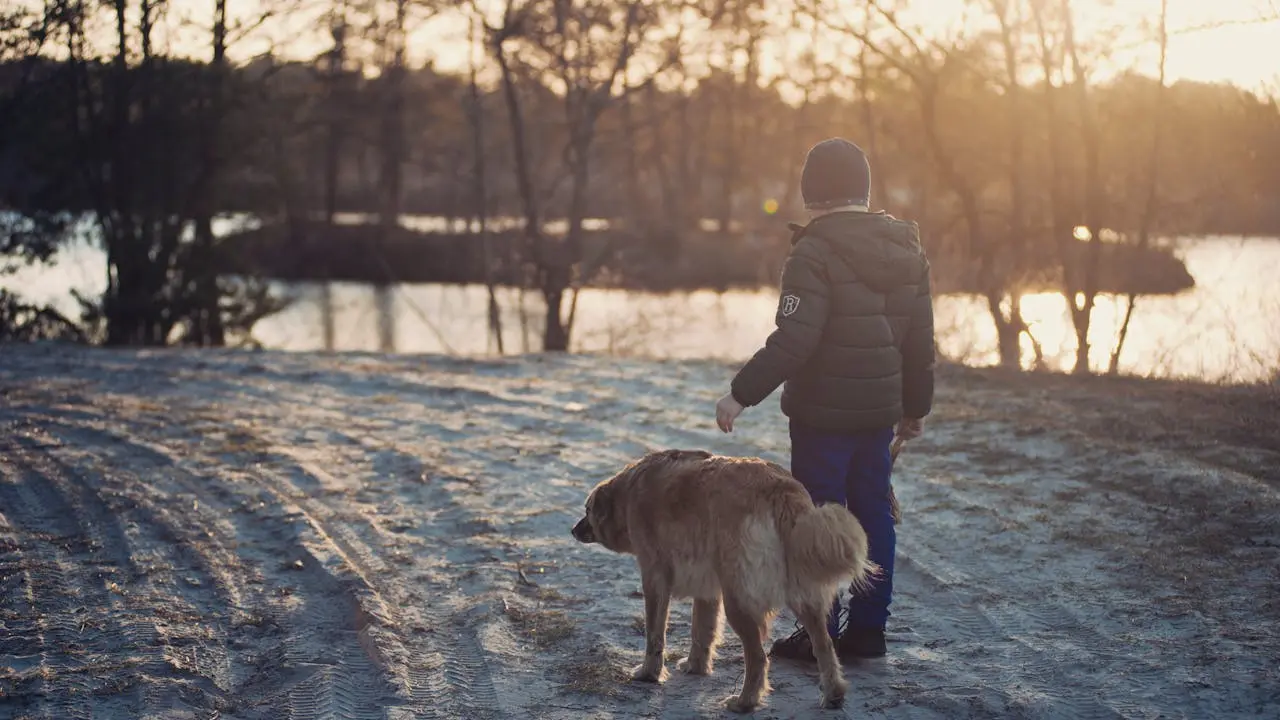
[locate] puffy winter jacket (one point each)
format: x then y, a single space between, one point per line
854 337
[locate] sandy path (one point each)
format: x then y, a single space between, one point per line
237 536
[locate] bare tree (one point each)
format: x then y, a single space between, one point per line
583 48
391 147
929 66
141 213
335 131
1082 287
480 176
206 321
512 26
1019 226
1152 201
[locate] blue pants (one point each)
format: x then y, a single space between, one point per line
853 470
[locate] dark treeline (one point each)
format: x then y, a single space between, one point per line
668 163
1023 170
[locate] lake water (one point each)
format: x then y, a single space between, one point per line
1226 329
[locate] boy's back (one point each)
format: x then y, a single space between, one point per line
854 343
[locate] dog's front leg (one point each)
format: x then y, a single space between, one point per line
657 606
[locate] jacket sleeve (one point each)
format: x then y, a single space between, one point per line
918 354
801 319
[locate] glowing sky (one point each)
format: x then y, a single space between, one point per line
1246 53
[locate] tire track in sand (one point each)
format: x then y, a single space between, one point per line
460 680
37 644
453 681
209 597
330 647
445 670
373 674
75 553
982 614
205 519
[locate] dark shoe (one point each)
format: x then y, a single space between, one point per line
861 643
796 646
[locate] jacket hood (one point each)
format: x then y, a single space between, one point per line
884 252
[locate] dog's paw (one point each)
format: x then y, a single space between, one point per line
833 694
736 703
689 666
649 675
833 700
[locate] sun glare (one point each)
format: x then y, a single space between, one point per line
1046 316
1226 40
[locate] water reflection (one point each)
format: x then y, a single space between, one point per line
1227 328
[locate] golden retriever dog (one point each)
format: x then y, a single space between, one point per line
734 534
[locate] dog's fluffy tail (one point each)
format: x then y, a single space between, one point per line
827 546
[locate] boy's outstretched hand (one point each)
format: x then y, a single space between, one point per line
727 410
910 428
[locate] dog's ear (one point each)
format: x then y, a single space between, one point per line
600 505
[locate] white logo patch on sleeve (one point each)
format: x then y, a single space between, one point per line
790 304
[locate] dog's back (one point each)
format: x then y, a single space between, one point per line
743 527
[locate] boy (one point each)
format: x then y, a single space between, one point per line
854 347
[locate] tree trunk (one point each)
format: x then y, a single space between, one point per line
1153 179
551 279
1061 227
558 266
1017 235
555 337
482 203
1008 332
524 319
137 224
207 328
1082 301
391 174
332 159
1114 367
119 305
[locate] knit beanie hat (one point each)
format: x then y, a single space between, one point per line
836 173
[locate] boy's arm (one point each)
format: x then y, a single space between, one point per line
918 355
801 317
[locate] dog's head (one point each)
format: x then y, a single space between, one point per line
602 522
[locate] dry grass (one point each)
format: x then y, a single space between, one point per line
242 442
1236 427
600 672
543 626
